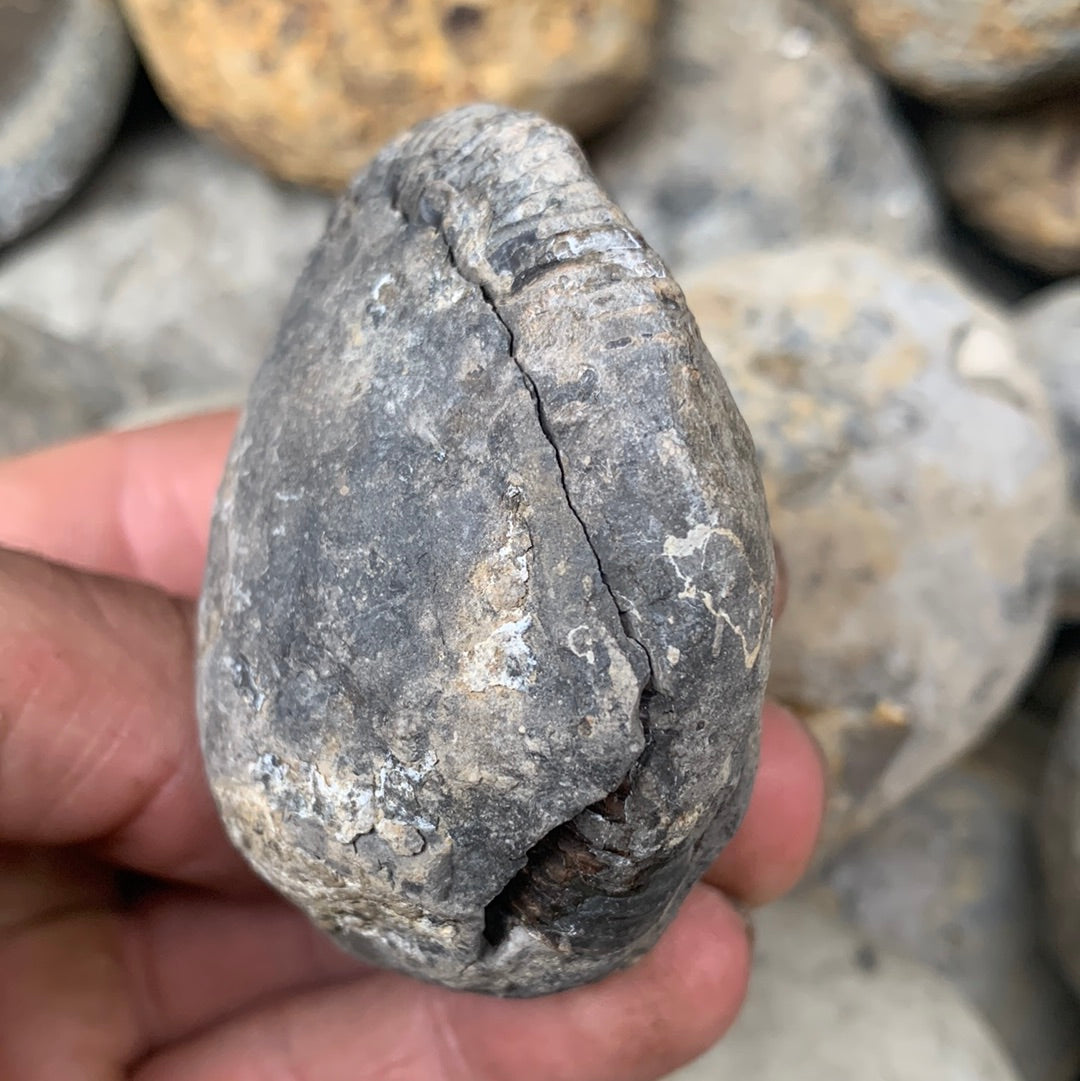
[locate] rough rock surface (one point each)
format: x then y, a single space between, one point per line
1059 843
485 627
50 389
1016 179
969 52
65 73
333 80
917 490
177 262
1048 333
950 879
826 1005
762 129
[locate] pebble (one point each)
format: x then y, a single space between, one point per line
1059 842
485 629
325 85
825 1004
66 68
1048 331
176 262
949 878
1016 179
916 488
965 53
51 389
761 130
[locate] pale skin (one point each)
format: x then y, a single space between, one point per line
198 972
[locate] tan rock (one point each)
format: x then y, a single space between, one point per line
1016 179
916 487
312 88
968 52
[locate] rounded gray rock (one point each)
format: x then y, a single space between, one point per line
969 52
1048 332
65 72
762 130
485 627
1059 843
51 389
916 488
825 1005
949 878
176 261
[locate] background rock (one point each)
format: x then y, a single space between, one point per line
176 262
65 72
326 84
915 485
968 52
1016 179
950 878
762 129
1048 334
826 1005
1059 842
52 390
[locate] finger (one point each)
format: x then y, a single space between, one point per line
193 958
132 504
775 842
634 1026
98 740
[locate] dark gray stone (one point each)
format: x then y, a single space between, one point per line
65 72
51 389
485 626
1059 842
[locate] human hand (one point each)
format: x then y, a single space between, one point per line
201 973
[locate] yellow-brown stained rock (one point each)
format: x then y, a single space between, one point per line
311 88
1016 179
969 52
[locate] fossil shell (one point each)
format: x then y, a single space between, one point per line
486 619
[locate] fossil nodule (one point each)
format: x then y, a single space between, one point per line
485 627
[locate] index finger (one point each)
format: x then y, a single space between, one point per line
133 504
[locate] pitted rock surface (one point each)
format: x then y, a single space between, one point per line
486 620
322 84
916 488
65 71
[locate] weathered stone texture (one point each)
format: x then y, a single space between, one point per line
485 627
916 488
312 89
